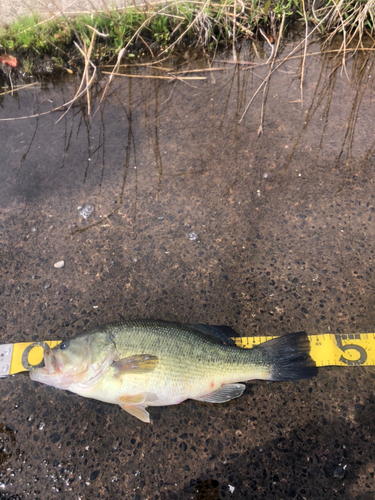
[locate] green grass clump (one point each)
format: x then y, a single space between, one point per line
31 34
201 22
116 28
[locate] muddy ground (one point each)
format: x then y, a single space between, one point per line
284 242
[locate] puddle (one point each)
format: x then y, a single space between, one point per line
164 206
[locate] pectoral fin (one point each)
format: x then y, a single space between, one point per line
224 394
139 363
134 406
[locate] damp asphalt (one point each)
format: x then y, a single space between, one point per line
192 217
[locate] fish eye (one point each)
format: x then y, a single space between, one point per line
65 344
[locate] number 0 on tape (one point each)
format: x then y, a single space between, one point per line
24 356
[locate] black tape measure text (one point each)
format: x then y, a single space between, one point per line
26 352
347 347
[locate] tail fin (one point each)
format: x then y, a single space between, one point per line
289 357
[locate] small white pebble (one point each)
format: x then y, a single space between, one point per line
231 488
59 264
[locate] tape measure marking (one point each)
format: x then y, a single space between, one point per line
29 355
6 351
327 349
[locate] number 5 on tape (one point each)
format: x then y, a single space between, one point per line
330 349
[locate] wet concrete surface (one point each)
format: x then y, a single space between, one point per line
285 242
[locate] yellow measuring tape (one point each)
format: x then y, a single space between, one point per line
326 350
23 356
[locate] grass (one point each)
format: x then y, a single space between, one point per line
99 40
202 23
31 34
94 40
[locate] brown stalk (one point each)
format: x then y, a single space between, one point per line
122 51
147 45
198 70
273 55
87 56
234 31
304 51
69 103
251 65
16 89
187 29
139 64
157 76
85 76
278 66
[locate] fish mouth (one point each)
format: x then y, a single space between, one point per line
50 369
50 361
52 373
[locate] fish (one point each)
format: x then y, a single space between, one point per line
144 363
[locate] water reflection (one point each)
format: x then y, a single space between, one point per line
159 121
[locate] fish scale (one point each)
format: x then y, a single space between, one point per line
186 357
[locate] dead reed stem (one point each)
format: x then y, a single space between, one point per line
122 51
187 29
86 55
16 89
234 31
273 55
280 64
304 51
160 77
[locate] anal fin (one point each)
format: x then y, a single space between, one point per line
138 411
136 406
224 394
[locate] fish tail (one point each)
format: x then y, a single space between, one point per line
289 357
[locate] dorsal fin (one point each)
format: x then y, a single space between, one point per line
216 333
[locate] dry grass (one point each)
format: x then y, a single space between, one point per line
158 29
198 22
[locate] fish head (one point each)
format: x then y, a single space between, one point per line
80 360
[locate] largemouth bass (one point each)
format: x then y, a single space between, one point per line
137 364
